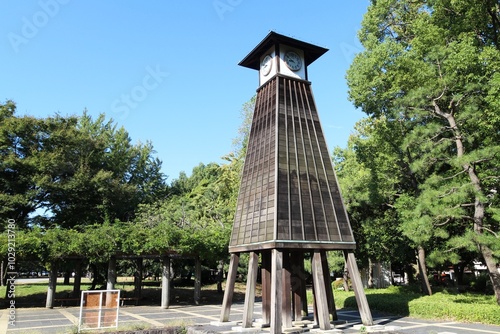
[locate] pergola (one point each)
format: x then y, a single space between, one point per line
165 258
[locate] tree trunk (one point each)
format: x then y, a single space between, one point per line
370 274
422 270
346 279
220 276
479 205
492 269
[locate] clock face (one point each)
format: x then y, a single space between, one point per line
266 65
293 61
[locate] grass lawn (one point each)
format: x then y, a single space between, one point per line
443 304
402 301
34 294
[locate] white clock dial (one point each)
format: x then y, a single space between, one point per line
266 65
293 61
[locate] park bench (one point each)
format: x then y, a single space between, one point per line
69 299
64 300
124 299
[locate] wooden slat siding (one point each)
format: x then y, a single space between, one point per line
317 203
308 167
268 163
256 196
282 178
289 191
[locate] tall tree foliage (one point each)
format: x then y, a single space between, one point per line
435 64
78 170
373 173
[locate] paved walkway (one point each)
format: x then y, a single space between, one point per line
65 320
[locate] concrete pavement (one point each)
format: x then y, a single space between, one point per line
61 320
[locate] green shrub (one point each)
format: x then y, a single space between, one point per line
446 304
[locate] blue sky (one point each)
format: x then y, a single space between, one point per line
167 70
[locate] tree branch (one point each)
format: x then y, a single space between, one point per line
442 224
453 176
489 230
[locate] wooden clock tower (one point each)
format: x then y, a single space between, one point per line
289 204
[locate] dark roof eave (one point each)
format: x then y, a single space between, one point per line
311 52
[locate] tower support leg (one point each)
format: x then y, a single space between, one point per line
276 290
357 285
299 296
328 286
287 291
320 292
266 287
253 267
228 293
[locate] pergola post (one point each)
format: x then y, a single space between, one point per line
138 278
51 290
78 279
197 280
165 282
110 285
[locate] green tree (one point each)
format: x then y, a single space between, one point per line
246 114
26 161
75 169
197 219
435 64
373 173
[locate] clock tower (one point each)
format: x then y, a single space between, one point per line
289 205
